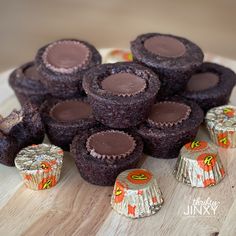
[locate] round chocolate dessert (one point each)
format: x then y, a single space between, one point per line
101 154
63 119
27 85
170 125
19 130
63 64
172 58
121 94
210 86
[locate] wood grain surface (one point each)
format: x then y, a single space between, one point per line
75 207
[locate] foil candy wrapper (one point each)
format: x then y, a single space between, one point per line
221 124
117 55
199 165
136 194
40 165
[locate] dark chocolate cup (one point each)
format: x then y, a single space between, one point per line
62 85
118 111
8 150
28 132
102 172
26 88
173 72
61 134
166 142
215 96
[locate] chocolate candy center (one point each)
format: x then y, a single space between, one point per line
165 46
67 54
123 84
32 73
110 144
202 81
169 113
71 111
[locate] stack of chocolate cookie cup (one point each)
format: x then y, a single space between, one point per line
121 96
173 58
123 99
56 71
179 64
53 81
108 114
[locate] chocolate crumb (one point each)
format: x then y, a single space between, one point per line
6 124
214 234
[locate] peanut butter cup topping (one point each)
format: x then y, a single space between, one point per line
167 114
110 144
165 46
202 81
123 84
66 56
71 110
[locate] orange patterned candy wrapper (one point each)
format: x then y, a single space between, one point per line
136 194
199 165
40 165
116 55
221 124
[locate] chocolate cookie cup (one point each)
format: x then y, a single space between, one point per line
210 86
64 118
63 64
170 125
27 85
173 58
18 130
101 154
121 94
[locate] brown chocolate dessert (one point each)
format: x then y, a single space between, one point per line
121 94
173 58
27 85
63 64
101 154
63 119
169 126
210 86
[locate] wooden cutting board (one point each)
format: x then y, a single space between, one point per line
75 207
